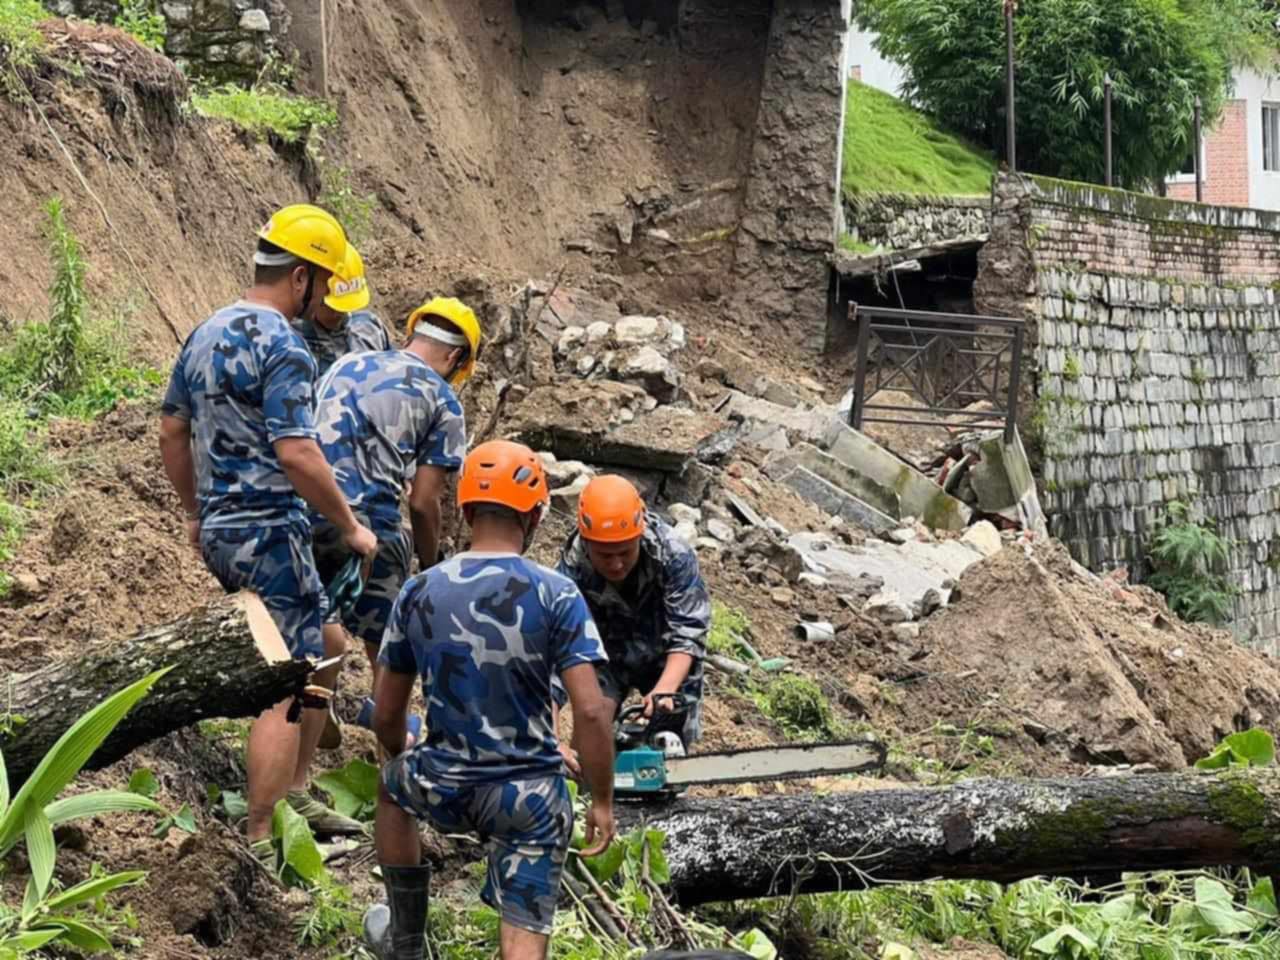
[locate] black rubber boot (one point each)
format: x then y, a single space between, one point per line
397 930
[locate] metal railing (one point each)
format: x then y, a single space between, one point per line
945 360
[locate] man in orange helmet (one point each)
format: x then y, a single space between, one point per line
487 631
647 596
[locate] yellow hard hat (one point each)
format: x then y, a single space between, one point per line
461 316
348 288
310 234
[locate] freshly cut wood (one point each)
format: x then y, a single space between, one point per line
1002 830
228 660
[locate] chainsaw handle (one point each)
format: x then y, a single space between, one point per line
679 702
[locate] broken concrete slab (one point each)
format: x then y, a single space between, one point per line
566 499
743 511
835 501
808 424
888 607
1001 477
882 498
917 494
768 436
911 570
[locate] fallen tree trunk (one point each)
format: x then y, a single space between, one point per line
1001 830
227 658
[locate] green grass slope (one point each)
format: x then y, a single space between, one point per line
891 148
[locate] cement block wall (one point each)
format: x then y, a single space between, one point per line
1158 354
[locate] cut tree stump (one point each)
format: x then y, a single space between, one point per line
1002 830
228 660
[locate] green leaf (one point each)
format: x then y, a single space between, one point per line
659 871
65 758
353 789
1048 944
143 782
1218 760
185 819
298 846
1217 910
1254 747
31 940
82 936
604 866
98 803
1119 909
234 804
758 945
1262 899
95 888
897 951
41 850
4 787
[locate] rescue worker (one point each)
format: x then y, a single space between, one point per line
239 446
388 420
339 324
487 630
647 597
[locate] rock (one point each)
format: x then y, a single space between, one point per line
27 586
887 607
255 21
598 331
708 543
631 330
983 537
653 371
626 415
686 531
570 337
586 363
901 535
782 596
683 513
721 531
676 336
742 510
649 403
561 473
566 498
905 631
811 384
931 600
710 369
813 580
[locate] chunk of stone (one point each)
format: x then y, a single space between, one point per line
255 21
688 532
721 530
887 607
570 337
630 330
683 513
782 596
708 543
566 498
653 371
586 363
983 537
905 631
598 332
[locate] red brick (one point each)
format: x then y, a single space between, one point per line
1226 161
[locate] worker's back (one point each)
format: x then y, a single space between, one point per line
486 631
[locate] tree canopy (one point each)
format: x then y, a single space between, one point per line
1161 55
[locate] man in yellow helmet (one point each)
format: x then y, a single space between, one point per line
389 420
341 322
239 445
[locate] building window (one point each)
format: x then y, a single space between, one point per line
1187 172
1271 136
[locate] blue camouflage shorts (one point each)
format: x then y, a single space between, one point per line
276 564
525 825
368 618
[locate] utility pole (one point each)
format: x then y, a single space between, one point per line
1106 122
1195 156
1011 132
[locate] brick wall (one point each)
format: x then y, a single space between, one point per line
1157 356
1226 161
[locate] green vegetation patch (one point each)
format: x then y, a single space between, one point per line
20 38
265 110
891 148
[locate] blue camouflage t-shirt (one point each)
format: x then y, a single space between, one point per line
486 632
244 380
360 331
379 417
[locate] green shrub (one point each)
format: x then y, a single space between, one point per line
59 364
729 626
799 706
353 210
139 19
1188 557
265 110
20 40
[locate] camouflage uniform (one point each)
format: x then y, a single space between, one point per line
359 331
381 416
244 380
487 632
662 608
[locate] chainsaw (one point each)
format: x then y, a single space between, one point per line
651 764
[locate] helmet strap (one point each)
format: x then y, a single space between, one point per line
311 284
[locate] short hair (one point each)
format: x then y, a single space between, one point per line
497 510
440 323
265 275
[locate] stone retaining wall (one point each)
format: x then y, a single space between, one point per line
1159 371
902 222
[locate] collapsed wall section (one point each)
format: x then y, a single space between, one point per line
1159 372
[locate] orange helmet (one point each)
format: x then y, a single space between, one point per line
505 473
610 510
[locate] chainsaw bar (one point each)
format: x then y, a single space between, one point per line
789 762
